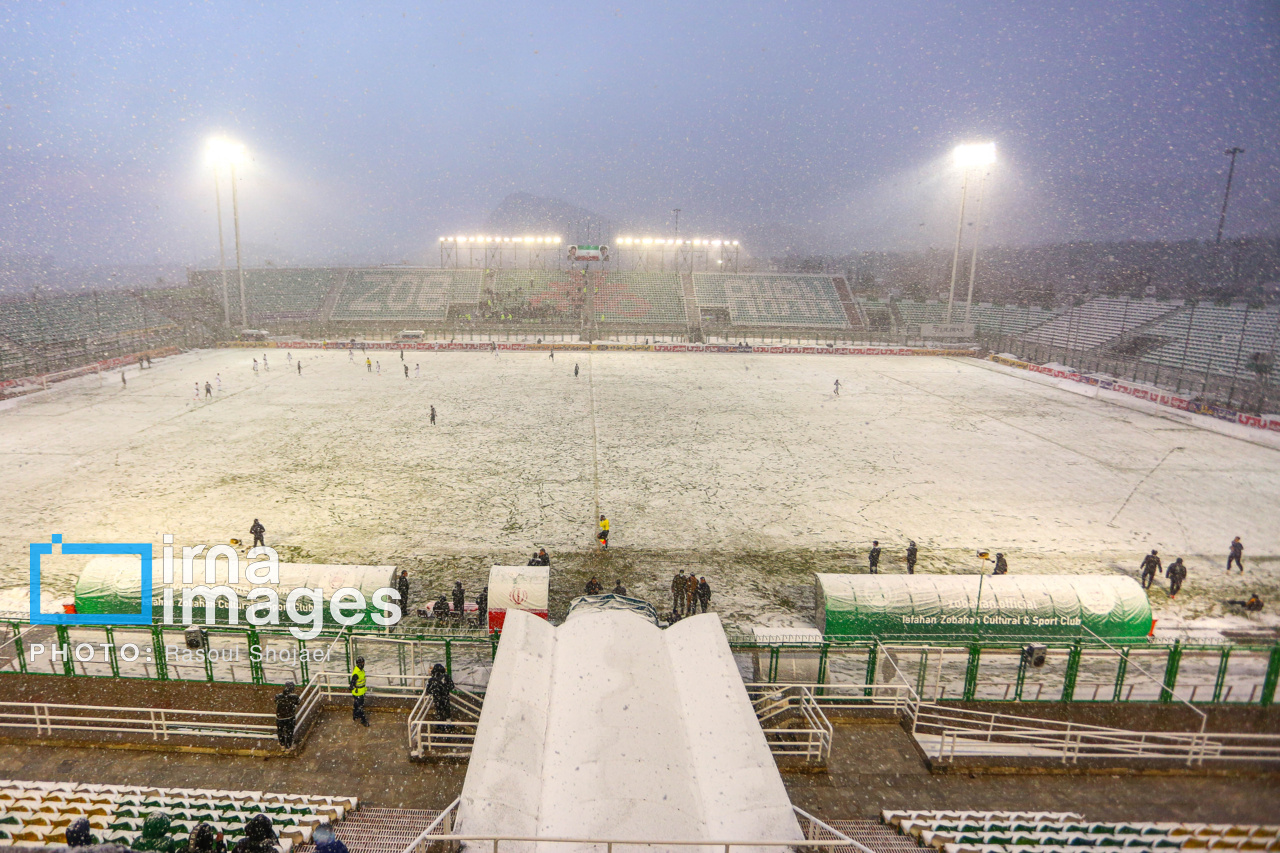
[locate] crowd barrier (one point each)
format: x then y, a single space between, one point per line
1155 395
27 384
514 346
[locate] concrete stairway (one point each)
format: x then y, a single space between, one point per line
368 830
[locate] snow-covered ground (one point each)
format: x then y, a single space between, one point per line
747 467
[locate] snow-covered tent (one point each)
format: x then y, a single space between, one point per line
610 601
113 585
1110 606
524 588
609 727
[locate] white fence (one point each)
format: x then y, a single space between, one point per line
776 705
161 723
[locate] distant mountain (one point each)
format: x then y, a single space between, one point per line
522 214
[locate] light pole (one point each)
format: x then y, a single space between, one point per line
977 236
1222 219
222 251
224 152
967 158
676 211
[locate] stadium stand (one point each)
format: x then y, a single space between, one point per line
998 319
406 295
44 319
1214 338
638 299
1051 832
778 300
273 295
532 296
37 813
1097 322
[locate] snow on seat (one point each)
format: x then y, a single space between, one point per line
610 727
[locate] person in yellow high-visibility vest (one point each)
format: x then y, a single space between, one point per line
604 533
358 691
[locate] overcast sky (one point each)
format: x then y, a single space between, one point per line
375 128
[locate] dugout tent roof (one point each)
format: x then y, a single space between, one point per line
610 727
1111 606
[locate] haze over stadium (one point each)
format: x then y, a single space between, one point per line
752 426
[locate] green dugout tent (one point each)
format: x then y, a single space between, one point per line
113 585
1023 606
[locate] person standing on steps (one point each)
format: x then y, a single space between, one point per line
258 531
286 714
358 691
1150 565
911 557
440 689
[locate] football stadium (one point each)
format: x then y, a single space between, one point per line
619 539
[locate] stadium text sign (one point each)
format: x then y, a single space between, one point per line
946 330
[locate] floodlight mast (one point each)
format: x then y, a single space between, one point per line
967 158
224 152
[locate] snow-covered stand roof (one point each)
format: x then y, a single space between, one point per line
1045 606
585 604
609 727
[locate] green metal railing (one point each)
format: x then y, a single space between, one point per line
1073 670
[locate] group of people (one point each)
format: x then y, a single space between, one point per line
1176 572
688 593
157 835
440 610
439 687
873 557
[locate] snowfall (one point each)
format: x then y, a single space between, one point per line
749 469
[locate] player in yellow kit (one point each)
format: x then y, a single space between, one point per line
603 535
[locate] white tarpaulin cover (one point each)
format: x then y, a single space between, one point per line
609 727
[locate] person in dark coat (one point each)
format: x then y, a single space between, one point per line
155 835
258 531
80 834
205 839
544 559
704 593
459 598
259 836
679 590
482 608
533 561
619 589
286 714
1254 604
1002 565
1176 573
1150 565
873 556
440 689
691 594
402 587
1234 555
327 841
911 557
440 610
593 586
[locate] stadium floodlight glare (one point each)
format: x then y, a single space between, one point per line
735 242
221 152
975 155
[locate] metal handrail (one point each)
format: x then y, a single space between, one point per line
447 817
158 722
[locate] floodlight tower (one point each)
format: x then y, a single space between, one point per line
221 152
968 158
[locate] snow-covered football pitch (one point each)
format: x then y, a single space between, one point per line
748 468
